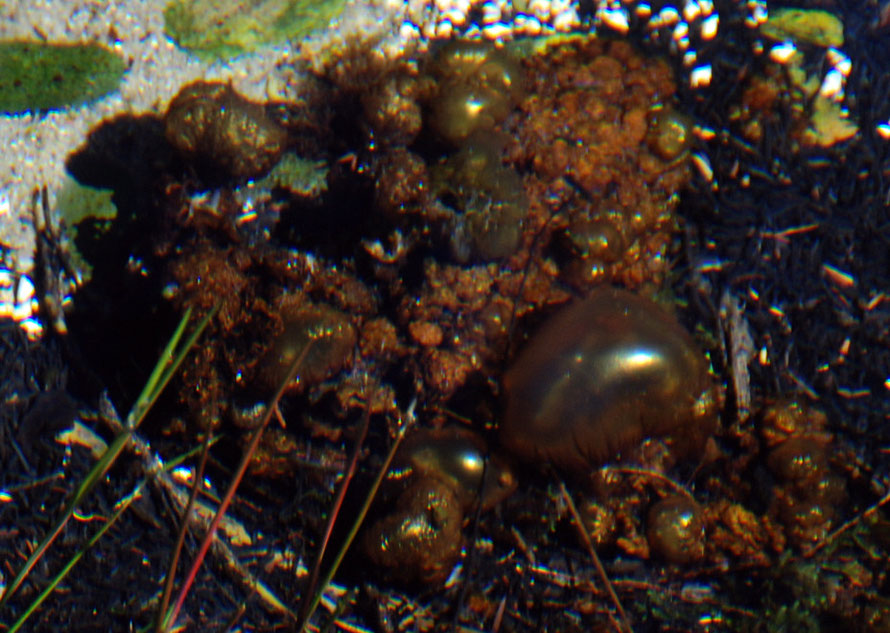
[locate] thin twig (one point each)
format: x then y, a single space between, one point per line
183 530
846 526
233 486
335 512
651 474
588 544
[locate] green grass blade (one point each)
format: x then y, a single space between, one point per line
122 507
151 384
166 366
76 558
359 519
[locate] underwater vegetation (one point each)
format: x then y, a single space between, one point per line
37 76
219 130
465 231
812 26
482 242
226 28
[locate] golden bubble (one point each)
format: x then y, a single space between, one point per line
675 530
215 126
670 133
600 376
421 540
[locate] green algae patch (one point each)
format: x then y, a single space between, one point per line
44 76
812 26
76 202
302 176
76 207
219 29
829 122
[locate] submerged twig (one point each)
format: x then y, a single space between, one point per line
168 363
335 511
233 486
849 524
654 475
588 544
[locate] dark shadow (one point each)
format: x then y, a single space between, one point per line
119 321
125 153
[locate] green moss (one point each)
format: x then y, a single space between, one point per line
41 76
812 26
76 203
218 29
301 175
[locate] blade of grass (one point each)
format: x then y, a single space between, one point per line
183 529
303 624
122 507
335 510
160 367
623 623
159 379
233 487
160 376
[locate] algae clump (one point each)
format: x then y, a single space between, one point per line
218 29
44 76
812 26
78 206
302 176
76 202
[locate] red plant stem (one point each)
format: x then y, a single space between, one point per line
233 487
332 519
183 529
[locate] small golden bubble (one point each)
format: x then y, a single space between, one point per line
478 85
675 530
798 459
787 418
420 541
670 133
333 339
597 238
437 477
459 458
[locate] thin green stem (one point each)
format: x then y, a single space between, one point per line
122 507
166 366
233 487
359 519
